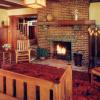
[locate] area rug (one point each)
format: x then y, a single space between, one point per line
60 64
82 88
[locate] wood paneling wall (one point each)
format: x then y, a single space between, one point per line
3 35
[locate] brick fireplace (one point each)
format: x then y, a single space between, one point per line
63 11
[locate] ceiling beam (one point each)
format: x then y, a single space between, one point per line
7 4
91 1
13 4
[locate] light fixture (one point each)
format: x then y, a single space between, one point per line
94 30
35 3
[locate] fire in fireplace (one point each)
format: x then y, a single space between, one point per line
62 50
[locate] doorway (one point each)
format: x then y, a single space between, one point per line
23 26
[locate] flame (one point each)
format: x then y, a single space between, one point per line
61 50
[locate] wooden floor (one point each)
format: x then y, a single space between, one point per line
6 97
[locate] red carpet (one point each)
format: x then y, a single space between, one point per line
82 88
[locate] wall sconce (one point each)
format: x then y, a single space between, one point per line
94 30
76 28
45 27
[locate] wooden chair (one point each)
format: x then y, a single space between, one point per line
23 51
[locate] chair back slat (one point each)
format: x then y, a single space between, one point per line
22 45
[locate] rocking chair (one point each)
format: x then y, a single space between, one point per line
23 51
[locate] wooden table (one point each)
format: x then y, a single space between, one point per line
95 71
6 57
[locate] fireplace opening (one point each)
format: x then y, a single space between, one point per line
62 50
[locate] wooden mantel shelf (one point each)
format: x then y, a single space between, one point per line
68 22
74 22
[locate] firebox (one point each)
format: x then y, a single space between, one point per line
62 50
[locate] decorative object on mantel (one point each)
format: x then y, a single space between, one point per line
35 3
76 14
49 17
6 46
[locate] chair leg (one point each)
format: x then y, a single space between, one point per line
29 57
91 78
16 58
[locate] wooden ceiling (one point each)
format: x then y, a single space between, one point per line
13 4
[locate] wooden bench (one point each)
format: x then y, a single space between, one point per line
37 86
6 97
